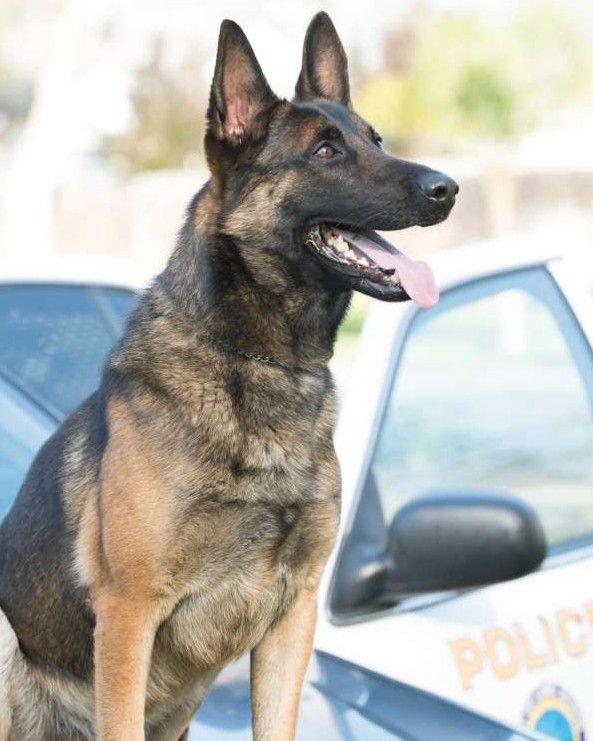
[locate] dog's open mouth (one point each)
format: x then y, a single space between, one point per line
373 265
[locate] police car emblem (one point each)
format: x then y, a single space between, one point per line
551 711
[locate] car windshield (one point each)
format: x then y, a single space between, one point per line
54 339
23 429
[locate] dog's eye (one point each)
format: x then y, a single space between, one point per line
325 151
377 138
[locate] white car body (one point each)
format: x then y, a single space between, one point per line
459 646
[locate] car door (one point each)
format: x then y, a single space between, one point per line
491 390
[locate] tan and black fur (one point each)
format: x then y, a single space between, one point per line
184 513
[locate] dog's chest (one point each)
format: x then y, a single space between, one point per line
258 524
258 559
257 437
251 556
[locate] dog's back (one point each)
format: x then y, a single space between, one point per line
9 660
48 691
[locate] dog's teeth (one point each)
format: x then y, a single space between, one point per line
332 245
338 243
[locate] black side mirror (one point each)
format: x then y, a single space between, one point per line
443 540
449 540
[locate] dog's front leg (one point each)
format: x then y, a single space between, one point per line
124 636
278 665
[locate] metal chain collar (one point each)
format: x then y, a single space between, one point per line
267 359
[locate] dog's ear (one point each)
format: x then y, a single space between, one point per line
324 73
240 95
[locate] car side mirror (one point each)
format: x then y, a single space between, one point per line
451 540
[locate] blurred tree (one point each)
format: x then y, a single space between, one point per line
459 76
168 114
15 90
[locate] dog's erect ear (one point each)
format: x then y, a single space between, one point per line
240 95
324 73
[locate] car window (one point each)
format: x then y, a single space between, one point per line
23 430
54 339
493 392
114 304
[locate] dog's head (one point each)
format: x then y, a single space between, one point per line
308 179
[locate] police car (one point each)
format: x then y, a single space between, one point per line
458 603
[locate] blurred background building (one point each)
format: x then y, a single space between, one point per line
102 111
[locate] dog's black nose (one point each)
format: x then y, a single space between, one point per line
438 187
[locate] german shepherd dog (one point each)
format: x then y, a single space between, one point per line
183 514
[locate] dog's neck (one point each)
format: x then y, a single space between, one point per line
251 296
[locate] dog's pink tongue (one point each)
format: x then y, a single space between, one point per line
415 276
